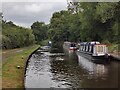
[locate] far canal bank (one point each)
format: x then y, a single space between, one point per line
114 51
13 66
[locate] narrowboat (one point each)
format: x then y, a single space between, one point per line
93 51
70 46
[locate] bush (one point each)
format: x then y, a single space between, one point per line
16 37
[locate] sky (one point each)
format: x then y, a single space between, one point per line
25 13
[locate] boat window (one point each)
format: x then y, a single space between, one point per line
89 48
72 45
85 48
99 48
92 48
81 48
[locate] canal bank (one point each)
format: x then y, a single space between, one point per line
13 66
114 52
115 56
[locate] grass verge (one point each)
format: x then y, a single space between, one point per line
113 48
12 77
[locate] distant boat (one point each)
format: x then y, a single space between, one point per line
45 48
70 46
93 51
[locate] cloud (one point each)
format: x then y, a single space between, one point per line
33 0
35 8
25 13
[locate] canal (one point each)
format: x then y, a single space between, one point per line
54 70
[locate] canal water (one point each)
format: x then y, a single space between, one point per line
55 70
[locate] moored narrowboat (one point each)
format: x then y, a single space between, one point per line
93 51
70 46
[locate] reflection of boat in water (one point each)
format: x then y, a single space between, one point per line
98 70
93 51
70 46
69 50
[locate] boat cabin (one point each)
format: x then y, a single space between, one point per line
70 45
94 48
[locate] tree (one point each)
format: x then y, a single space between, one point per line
39 30
14 36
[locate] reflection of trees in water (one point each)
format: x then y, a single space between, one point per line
66 70
94 70
82 73
72 71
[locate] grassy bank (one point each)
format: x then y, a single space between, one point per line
12 77
113 48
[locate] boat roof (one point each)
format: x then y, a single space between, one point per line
69 42
88 43
94 42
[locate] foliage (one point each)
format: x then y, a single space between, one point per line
44 42
83 21
95 21
14 36
39 30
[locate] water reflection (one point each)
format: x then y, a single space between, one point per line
94 70
38 73
65 72
98 75
54 70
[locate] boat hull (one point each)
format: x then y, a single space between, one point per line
96 59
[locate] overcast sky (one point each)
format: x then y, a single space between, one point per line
25 13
